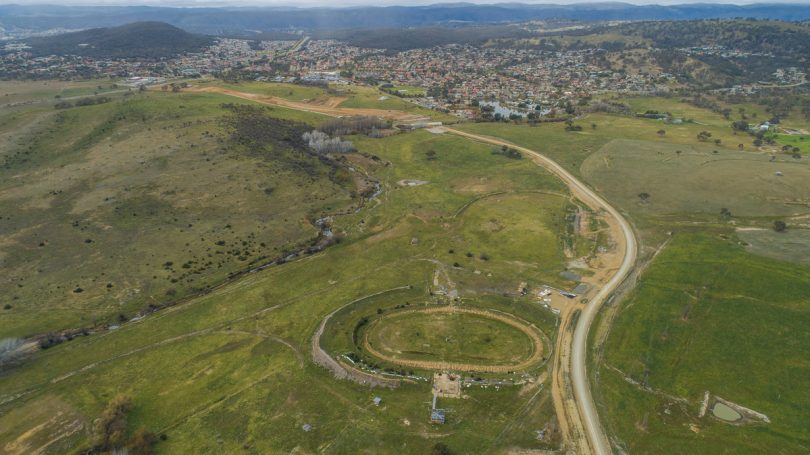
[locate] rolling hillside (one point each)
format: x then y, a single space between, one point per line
139 39
38 18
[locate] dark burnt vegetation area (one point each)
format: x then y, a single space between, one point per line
289 145
354 125
282 142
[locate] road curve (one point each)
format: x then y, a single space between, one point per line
582 393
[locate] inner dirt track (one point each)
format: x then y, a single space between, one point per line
530 331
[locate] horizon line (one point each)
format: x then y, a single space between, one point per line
309 4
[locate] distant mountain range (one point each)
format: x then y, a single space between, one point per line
139 39
18 20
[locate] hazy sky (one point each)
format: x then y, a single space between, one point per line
344 3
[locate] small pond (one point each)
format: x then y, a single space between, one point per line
722 411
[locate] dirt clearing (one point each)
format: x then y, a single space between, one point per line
325 107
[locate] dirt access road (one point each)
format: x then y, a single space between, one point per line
329 107
623 235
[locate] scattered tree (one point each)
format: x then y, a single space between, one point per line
112 426
740 125
440 448
353 125
142 442
508 152
704 136
322 143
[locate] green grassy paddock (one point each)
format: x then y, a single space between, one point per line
709 316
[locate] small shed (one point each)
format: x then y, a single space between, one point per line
377 401
437 416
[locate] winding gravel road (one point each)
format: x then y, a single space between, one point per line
597 439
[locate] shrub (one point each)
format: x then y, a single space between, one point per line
440 448
50 340
92 100
112 426
142 442
508 152
740 125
